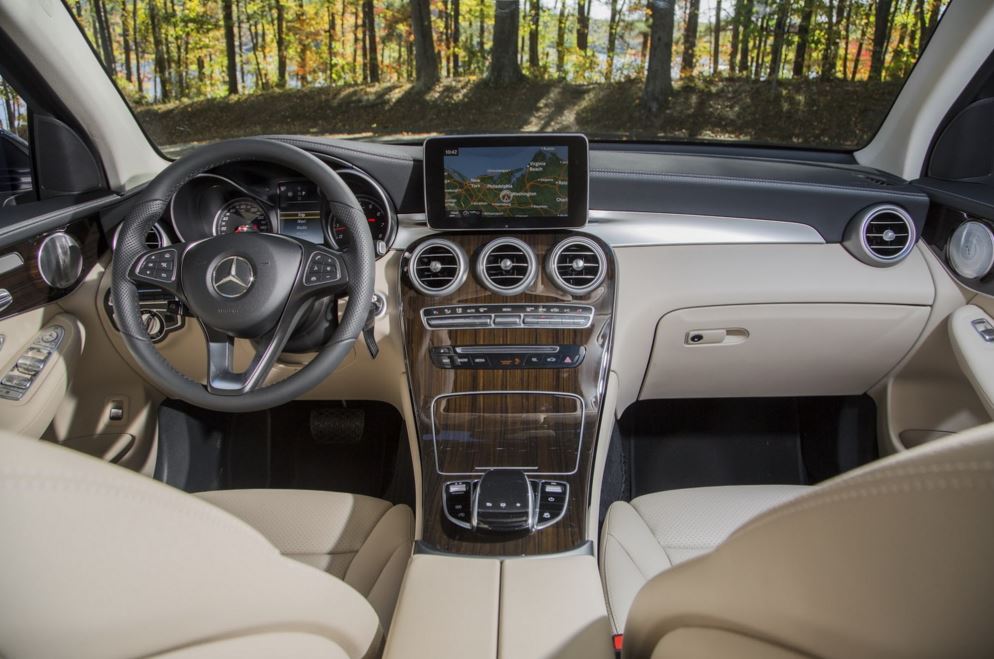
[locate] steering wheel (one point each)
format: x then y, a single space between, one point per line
247 285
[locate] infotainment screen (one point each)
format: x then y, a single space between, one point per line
506 181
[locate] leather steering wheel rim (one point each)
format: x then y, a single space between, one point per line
131 252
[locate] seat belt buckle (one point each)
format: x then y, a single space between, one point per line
618 640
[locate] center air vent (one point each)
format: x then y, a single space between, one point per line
577 265
506 266
881 235
437 267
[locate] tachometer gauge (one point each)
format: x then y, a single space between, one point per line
376 217
971 250
242 214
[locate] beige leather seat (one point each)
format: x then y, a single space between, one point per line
890 560
657 531
98 561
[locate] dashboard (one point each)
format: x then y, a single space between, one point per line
259 197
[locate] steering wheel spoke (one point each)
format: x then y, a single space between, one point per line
161 268
223 379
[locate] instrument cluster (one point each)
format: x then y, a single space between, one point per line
244 197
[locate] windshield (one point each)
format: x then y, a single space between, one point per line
803 73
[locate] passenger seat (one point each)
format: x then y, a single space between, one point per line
657 531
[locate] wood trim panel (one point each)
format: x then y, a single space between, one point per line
586 381
25 284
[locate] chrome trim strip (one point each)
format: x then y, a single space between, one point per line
476 472
639 229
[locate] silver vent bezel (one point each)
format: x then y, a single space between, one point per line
461 262
494 287
553 273
855 237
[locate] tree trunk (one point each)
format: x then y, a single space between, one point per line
716 48
332 36
229 47
658 82
583 24
425 66
280 45
155 23
803 35
561 40
504 67
456 36
126 40
106 42
138 55
534 18
612 37
779 34
372 52
881 23
733 56
745 36
689 60
238 43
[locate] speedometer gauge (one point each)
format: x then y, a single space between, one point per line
971 250
242 214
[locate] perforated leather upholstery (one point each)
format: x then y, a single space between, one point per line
657 531
889 560
101 562
366 542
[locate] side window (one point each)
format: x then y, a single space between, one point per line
15 156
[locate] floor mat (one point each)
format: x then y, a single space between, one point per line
673 444
688 443
355 446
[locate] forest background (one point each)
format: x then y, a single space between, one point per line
818 73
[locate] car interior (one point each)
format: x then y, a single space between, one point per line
297 396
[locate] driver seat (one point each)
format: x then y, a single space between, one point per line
99 561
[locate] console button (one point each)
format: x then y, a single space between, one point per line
507 320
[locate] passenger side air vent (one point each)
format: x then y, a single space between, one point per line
437 267
881 235
506 266
577 265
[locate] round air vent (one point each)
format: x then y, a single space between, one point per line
437 267
881 235
506 266
577 265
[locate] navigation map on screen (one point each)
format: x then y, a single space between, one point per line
506 181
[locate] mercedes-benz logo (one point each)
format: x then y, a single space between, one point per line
233 277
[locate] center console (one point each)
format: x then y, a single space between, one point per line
507 312
507 340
